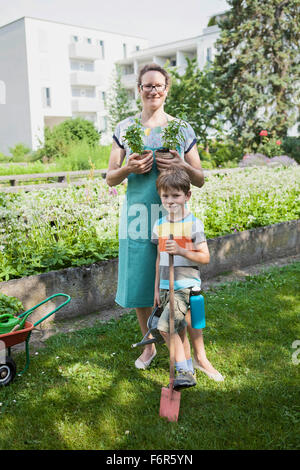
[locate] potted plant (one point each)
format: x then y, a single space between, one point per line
134 138
172 136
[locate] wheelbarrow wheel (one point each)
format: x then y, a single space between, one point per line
7 371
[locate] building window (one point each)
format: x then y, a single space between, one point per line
137 47
101 44
87 66
46 97
75 38
104 124
124 51
102 95
128 70
209 55
131 94
88 40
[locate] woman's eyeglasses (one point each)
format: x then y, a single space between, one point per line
158 88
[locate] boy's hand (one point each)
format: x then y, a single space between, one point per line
173 248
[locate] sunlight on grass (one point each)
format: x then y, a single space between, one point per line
82 390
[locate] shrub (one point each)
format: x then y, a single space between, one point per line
10 305
224 153
58 139
5 158
19 152
82 156
291 147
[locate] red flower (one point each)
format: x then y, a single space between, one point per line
278 142
263 133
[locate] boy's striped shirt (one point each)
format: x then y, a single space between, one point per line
187 232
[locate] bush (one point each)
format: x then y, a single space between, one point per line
58 139
10 305
82 156
19 152
4 158
222 153
291 147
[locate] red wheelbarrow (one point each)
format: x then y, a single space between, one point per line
7 364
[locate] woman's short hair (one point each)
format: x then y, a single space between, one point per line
156 68
174 178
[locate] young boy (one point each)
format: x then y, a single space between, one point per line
190 249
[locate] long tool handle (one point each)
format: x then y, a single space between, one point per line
172 328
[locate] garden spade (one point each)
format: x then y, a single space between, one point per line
170 399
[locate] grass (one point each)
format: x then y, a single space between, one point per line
82 391
80 157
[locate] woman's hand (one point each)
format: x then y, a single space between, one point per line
138 165
167 164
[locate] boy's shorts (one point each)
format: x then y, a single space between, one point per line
181 306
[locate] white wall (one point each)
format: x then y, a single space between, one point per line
15 122
48 66
34 54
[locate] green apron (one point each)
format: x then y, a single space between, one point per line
137 254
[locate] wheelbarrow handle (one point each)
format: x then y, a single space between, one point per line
43 302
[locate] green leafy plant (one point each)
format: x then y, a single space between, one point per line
56 228
10 305
19 152
58 139
119 104
195 94
291 147
172 135
134 137
269 146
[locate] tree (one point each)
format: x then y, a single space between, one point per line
119 103
192 97
256 67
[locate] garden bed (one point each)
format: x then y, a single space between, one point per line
93 288
42 231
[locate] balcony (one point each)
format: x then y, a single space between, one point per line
86 78
129 80
84 105
84 51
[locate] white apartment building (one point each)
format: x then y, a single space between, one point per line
52 71
173 53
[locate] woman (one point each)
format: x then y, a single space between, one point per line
137 255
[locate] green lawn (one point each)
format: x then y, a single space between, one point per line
82 391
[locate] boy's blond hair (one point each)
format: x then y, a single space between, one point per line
174 178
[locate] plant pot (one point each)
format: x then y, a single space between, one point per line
142 156
164 153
